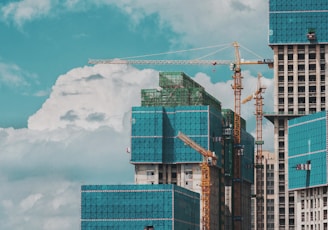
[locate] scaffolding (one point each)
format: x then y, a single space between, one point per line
177 89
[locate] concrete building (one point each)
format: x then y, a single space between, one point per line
307 166
298 36
268 161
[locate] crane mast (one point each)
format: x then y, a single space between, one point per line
257 96
238 151
209 161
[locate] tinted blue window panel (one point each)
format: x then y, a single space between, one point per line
247 163
290 21
137 206
193 120
154 133
143 117
184 153
283 5
216 134
298 179
307 134
307 144
146 149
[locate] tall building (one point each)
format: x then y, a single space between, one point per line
298 36
307 166
267 177
181 104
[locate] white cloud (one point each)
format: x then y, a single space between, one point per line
30 201
79 136
198 23
13 76
41 173
25 10
207 22
91 97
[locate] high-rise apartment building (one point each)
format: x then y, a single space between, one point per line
298 36
267 194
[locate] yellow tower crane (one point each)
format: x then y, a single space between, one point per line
237 87
257 96
209 161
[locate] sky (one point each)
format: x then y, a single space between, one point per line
65 122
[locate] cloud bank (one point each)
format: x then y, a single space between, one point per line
218 21
79 136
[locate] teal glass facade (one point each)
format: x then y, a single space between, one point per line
154 131
290 21
307 142
132 207
247 161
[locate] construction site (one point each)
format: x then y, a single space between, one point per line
197 167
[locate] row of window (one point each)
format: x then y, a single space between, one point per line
301 100
300 47
301 56
301 78
301 67
315 203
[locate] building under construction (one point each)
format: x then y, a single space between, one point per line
181 104
162 156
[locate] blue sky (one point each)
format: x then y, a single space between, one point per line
44 39
64 123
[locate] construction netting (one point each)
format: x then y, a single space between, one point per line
177 89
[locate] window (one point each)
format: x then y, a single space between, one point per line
290 100
290 68
322 56
188 174
301 56
312 100
301 100
281 89
281 68
290 89
301 89
312 56
301 68
301 78
312 67
312 78
301 47
290 78
322 78
150 174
